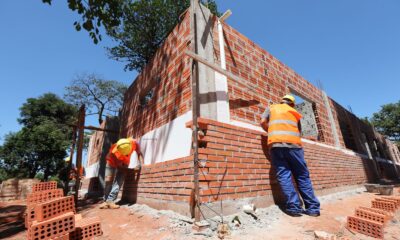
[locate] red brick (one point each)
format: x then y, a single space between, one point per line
380 211
86 228
44 186
54 208
364 226
388 206
52 228
42 196
377 217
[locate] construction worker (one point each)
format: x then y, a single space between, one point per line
282 123
118 160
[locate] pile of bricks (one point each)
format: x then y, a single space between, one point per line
371 220
50 215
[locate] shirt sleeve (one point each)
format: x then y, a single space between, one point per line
265 114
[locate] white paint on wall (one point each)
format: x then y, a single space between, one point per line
92 170
170 141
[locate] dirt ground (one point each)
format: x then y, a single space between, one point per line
142 222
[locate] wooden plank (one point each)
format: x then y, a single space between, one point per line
219 69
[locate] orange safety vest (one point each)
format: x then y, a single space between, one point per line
283 125
116 159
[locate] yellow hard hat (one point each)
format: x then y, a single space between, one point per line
289 97
124 146
67 159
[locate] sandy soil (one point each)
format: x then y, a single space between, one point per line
142 222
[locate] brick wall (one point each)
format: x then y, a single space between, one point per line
237 165
167 75
234 163
272 78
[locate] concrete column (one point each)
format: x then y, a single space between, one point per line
207 86
331 119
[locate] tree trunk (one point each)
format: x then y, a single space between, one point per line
101 114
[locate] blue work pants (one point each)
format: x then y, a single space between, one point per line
290 162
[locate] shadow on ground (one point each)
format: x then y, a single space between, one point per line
11 220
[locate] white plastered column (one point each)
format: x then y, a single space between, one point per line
221 81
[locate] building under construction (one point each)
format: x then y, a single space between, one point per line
235 81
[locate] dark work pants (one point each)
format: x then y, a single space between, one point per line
288 162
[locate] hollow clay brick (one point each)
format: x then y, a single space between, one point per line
388 206
366 227
86 228
54 208
42 196
44 186
362 213
52 228
393 199
388 214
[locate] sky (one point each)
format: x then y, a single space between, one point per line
352 47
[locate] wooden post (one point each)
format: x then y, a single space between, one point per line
71 157
195 111
79 152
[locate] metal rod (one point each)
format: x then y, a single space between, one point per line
81 124
195 74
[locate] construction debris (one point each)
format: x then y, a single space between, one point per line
223 231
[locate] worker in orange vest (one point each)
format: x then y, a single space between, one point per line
282 123
118 160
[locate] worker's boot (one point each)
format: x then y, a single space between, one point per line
112 205
104 205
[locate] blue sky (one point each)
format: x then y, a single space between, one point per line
352 47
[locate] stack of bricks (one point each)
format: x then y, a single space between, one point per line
50 215
371 221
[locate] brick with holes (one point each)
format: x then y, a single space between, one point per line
86 228
42 196
392 199
388 206
388 214
365 226
54 208
52 228
362 213
44 186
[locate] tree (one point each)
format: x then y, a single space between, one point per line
41 144
387 121
145 25
100 96
95 14
138 26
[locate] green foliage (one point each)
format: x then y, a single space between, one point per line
41 144
138 26
387 121
95 14
100 96
145 25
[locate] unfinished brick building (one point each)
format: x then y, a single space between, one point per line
341 150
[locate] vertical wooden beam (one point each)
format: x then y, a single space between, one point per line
71 157
195 110
79 152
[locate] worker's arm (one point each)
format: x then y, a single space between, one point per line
299 126
140 155
265 119
264 124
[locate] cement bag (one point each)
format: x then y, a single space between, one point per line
134 162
